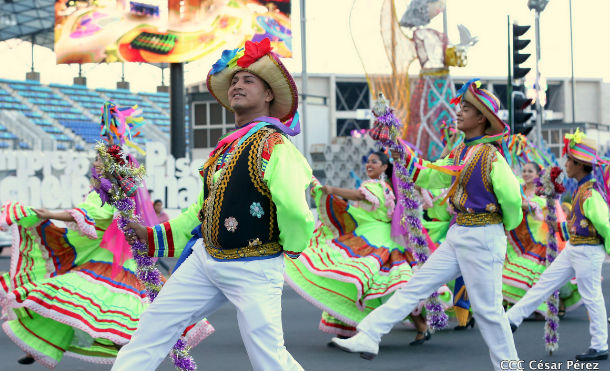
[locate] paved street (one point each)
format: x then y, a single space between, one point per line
447 350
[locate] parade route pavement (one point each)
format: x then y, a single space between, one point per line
447 350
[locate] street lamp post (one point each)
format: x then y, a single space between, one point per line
572 66
539 108
538 6
304 77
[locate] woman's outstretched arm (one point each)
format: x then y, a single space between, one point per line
348 194
57 215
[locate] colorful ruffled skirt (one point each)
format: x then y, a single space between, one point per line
350 267
524 264
60 297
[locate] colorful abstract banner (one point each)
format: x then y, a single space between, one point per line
165 31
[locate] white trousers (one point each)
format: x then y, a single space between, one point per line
198 288
585 262
478 254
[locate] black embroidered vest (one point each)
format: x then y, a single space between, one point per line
238 214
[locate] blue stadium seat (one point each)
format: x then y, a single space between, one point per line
72 117
7 135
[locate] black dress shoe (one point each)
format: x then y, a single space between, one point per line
28 360
469 323
513 327
592 355
426 337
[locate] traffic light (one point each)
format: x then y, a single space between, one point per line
518 45
520 116
519 111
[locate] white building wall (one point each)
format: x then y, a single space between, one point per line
317 127
587 99
605 103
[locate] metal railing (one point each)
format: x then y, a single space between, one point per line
27 131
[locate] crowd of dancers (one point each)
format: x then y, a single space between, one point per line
73 290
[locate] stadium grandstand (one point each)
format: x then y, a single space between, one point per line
67 116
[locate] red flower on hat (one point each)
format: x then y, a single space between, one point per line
253 52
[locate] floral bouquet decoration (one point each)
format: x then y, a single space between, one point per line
386 131
550 186
116 184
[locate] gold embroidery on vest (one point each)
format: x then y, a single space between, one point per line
582 240
217 190
478 219
487 162
213 202
270 248
582 194
483 154
461 195
255 167
458 153
459 190
208 204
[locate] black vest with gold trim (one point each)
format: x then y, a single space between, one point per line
238 215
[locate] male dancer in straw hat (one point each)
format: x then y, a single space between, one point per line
252 209
583 256
485 195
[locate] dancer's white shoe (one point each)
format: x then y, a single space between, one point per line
359 343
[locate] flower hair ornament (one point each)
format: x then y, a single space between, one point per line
117 183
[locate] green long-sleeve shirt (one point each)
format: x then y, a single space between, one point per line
504 183
287 175
596 210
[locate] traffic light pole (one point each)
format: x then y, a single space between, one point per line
304 78
509 82
177 134
539 118
519 102
572 66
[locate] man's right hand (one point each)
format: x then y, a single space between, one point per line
140 233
